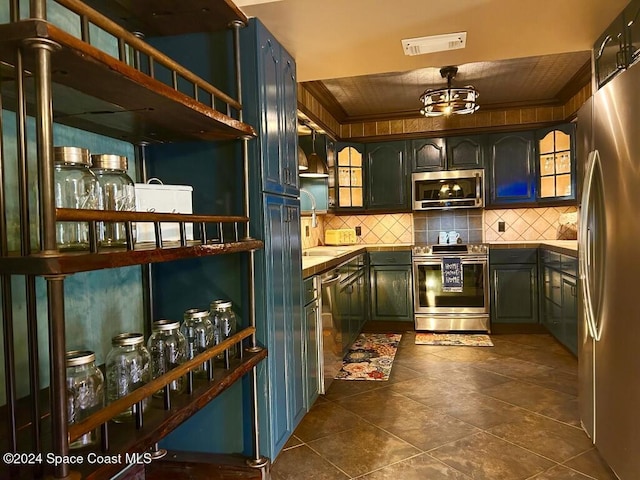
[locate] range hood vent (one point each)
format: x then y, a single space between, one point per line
434 43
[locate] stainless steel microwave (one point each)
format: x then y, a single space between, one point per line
448 189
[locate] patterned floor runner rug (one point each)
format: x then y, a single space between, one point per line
454 339
370 357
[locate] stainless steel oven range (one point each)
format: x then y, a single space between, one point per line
445 303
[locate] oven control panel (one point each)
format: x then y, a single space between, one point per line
458 249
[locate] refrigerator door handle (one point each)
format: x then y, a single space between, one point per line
585 239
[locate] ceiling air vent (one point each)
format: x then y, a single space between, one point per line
434 43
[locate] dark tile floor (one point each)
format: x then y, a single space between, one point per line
506 412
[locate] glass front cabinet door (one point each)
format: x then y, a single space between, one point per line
556 164
350 176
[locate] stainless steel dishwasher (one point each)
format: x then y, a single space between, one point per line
331 361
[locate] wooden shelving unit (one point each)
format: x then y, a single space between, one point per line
54 76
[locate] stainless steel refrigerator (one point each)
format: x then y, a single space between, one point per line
609 250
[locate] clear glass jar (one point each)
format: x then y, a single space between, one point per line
127 368
117 191
198 332
85 391
168 349
75 187
225 321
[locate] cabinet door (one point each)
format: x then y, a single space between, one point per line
271 118
428 154
311 367
512 178
289 106
515 293
556 164
386 166
609 52
391 296
293 312
349 176
569 335
551 316
279 334
283 257
465 152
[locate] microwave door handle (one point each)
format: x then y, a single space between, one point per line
478 193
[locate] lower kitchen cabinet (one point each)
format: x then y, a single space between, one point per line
391 286
312 329
514 283
351 295
559 298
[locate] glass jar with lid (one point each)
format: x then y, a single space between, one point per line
75 187
167 347
198 332
85 391
225 321
128 368
117 191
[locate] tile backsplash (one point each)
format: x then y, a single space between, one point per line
388 228
473 225
316 234
467 222
528 223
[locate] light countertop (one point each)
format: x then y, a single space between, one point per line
568 247
320 259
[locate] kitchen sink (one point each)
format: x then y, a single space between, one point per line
324 252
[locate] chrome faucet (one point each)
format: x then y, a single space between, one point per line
314 219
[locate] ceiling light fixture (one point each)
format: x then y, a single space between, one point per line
449 100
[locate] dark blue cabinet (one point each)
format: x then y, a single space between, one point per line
465 152
270 96
391 286
280 324
387 179
451 153
269 93
512 177
514 285
559 297
428 154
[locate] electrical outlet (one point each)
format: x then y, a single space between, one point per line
501 226
306 230
358 231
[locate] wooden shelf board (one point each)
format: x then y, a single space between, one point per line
98 93
170 17
68 263
157 422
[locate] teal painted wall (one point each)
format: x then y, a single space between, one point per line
98 304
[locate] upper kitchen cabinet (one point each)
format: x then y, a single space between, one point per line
387 177
610 52
511 168
555 153
349 176
632 22
453 153
465 152
276 104
428 154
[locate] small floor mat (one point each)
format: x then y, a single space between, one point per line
454 339
370 357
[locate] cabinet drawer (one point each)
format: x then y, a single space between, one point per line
390 258
310 289
513 255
